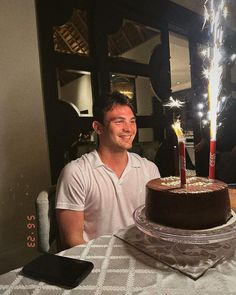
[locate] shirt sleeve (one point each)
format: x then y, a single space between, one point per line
70 193
153 170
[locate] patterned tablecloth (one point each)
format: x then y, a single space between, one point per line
120 268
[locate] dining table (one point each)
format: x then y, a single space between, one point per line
132 262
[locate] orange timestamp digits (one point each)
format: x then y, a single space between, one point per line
31 227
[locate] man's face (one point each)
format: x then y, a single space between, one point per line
119 128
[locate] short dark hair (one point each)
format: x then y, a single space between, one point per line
107 102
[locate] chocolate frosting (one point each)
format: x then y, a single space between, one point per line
200 204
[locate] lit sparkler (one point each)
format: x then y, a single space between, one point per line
178 130
214 15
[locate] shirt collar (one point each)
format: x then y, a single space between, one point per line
96 161
133 161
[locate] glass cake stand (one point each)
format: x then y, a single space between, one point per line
206 236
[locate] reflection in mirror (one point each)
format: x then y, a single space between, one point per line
145 134
233 73
181 89
137 88
74 87
145 145
133 41
179 62
181 81
144 94
72 37
124 84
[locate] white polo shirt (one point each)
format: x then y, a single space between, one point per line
108 202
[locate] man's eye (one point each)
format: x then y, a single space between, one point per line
122 121
118 121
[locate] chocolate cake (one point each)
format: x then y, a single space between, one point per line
201 204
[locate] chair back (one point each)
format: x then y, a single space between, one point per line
46 219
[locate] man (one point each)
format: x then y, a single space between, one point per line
97 193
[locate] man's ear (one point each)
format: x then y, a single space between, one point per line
97 127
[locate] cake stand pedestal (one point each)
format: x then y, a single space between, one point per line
176 235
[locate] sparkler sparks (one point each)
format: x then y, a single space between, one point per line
214 14
215 71
174 103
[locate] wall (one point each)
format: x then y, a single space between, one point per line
24 168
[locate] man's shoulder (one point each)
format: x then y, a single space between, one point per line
81 162
148 167
137 159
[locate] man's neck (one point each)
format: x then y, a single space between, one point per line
115 160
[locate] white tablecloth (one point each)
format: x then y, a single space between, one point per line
120 268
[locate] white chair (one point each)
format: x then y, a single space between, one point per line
48 237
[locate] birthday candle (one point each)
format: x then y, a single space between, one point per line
181 147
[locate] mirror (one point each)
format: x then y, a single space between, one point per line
179 63
134 42
181 87
74 87
72 37
233 73
125 84
137 88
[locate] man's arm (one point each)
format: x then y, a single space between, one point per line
71 226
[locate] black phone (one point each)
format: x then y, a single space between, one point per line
58 270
